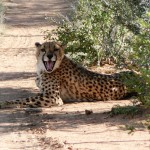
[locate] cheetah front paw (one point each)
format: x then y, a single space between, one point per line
37 81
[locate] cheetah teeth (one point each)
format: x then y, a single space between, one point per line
49 65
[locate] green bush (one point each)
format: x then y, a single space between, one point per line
140 58
93 32
139 83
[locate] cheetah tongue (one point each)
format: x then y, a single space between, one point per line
49 65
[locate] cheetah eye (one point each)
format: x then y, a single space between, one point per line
43 50
56 49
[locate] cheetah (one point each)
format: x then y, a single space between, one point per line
61 81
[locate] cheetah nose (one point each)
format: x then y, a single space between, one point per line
49 56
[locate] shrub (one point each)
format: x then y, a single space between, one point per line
140 58
125 110
92 32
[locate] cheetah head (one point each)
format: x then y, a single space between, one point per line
49 56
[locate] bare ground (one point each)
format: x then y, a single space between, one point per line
66 127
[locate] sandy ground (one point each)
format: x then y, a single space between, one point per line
66 127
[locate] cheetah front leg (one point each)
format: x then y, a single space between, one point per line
50 95
37 81
43 100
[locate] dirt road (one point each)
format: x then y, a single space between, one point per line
65 127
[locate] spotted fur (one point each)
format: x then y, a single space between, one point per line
61 80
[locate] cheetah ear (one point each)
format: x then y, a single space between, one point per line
37 44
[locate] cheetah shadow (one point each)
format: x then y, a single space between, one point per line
22 120
14 92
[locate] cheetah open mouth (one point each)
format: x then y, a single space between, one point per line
49 65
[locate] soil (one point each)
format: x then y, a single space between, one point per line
69 126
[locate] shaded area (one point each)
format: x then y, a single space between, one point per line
19 119
8 93
6 76
74 123
15 92
35 12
